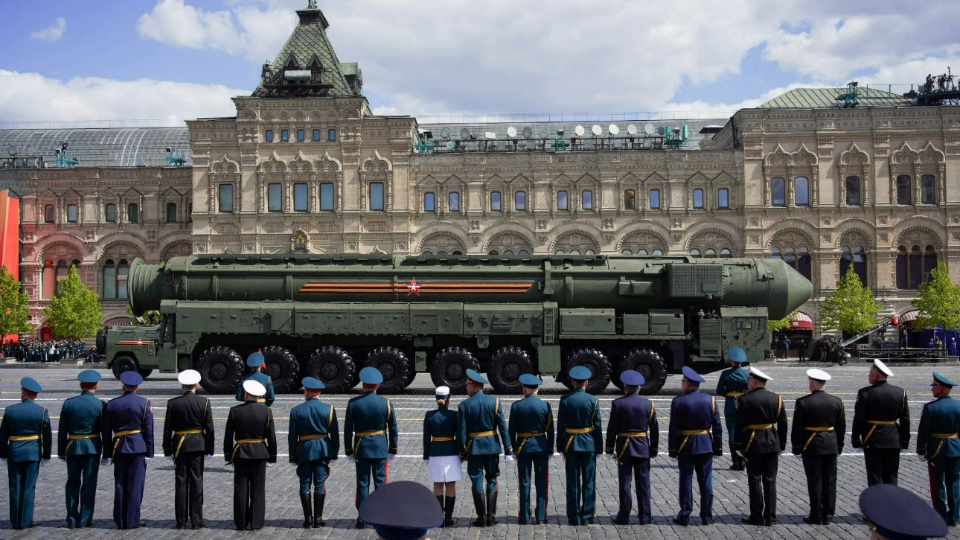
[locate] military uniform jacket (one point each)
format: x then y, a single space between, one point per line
879 409
439 433
370 427
819 425
314 432
630 416
531 426
80 415
188 412
732 385
579 423
694 425
758 408
479 419
263 379
939 426
127 413
250 433
31 421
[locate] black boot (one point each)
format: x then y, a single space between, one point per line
448 520
307 511
318 500
440 500
481 512
491 508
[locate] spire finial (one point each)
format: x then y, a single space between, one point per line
312 4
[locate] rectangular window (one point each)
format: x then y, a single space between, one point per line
49 214
562 200
429 202
630 200
495 202
698 198
284 135
332 135
71 213
654 199
927 193
110 281
110 213
586 200
171 212
316 134
268 135
122 273
274 197
300 198
190 212
520 201
133 213
723 198
326 197
225 198
454 202
300 135
376 196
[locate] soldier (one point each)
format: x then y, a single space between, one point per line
255 363
401 511
479 417
531 428
314 441
881 425
633 437
370 435
250 445
761 436
732 385
696 436
894 513
819 426
128 424
440 453
188 440
79 443
937 443
25 444
580 437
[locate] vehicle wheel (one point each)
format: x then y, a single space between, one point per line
220 370
596 362
650 364
283 368
393 365
333 367
145 372
450 368
506 367
122 363
356 379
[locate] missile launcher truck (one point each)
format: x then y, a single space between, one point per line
328 316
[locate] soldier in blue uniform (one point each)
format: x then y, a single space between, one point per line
78 442
732 385
440 453
479 418
531 429
255 362
370 435
633 438
696 436
580 439
25 444
937 443
894 513
127 432
314 441
401 511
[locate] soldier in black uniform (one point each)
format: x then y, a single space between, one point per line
250 445
881 425
819 424
761 436
187 441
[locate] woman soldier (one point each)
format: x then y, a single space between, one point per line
440 453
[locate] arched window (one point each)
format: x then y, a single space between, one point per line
801 191
495 202
71 213
453 202
853 191
586 200
49 279
775 253
904 189
629 200
562 200
657 252
63 270
710 253
695 252
133 213
927 192
110 213
698 198
654 199
49 214
914 266
856 256
429 202
723 198
723 252
109 279
520 201
778 192
171 212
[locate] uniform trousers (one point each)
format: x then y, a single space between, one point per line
249 493
581 468
188 488
81 490
129 473
702 465
821 472
762 481
313 472
365 469
22 477
945 487
628 469
536 463
483 471
883 465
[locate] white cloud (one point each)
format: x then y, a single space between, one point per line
54 33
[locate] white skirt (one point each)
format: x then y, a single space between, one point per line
444 469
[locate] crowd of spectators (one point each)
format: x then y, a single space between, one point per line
48 351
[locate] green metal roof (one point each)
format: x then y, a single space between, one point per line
826 98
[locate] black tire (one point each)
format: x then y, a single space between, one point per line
101 343
220 370
650 364
506 367
450 367
145 372
283 368
596 362
393 365
123 363
355 380
333 367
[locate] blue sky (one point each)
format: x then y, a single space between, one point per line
177 59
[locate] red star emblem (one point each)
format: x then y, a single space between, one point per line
139 342
413 287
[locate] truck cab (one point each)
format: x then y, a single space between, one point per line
132 348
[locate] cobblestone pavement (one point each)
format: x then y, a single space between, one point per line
283 509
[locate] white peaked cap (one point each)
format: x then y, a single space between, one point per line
818 375
882 368
443 391
757 374
189 377
254 388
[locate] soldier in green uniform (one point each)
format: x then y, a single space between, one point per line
937 443
440 453
479 417
25 444
732 385
580 439
255 362
314 441
531 428
79 443
370 435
